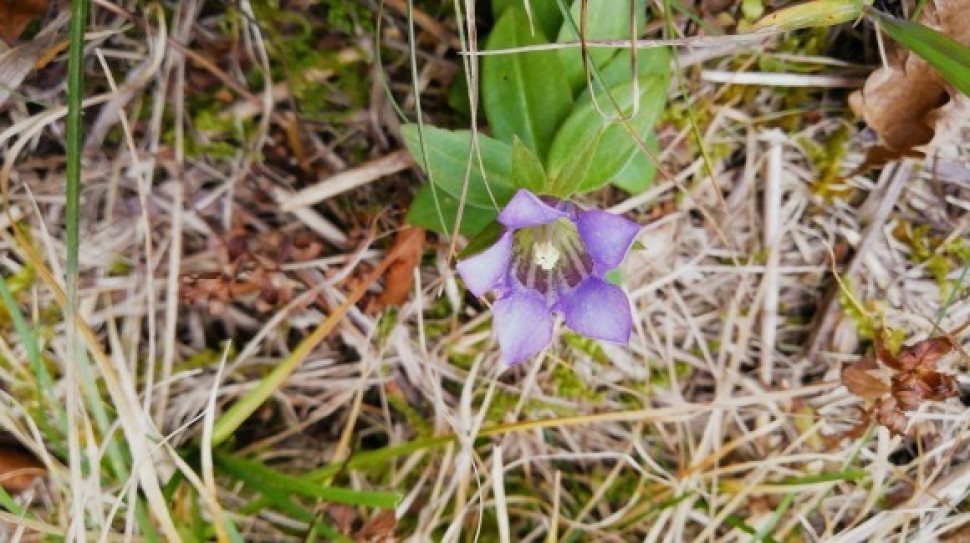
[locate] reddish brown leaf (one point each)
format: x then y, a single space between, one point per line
889 415
941 386
15 15
378 528
18 470
909 391
862 383
407 250
923 354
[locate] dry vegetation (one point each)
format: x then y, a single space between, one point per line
243 182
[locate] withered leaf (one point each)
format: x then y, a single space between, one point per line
379 528
906 102
923 354
15 15
891 416
862 383
18 470
407 250
909 391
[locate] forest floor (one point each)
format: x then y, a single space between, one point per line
261 349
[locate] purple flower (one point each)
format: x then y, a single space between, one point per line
551 258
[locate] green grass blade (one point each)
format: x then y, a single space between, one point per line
7 502
764 534
278 498
75 95
950 58
248 470
846 475
45 384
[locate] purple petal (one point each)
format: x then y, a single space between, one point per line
523 324
599 310
526 209
484 271
607 237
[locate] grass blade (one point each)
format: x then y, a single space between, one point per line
250 471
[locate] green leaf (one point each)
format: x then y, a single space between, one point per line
605 20
425 214
485 239
576 170
638 174
950 58
653 61
616 145
448 162
252 471
524 94
545 13
527 169
819 13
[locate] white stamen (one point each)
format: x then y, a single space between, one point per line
545 255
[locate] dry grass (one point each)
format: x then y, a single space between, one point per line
209 253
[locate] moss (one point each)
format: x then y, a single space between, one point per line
206 358
939 256
569 385
418 422
586 346
861 317
827 160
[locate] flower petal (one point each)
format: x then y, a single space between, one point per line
526 209
484 271
599 310
523 324
607 237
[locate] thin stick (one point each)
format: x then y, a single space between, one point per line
772 231
348 180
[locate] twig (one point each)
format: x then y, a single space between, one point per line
348 180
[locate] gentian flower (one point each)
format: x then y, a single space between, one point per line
551 258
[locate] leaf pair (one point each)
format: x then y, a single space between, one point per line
551 135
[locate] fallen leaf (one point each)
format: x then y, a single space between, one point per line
863 384
958 535
15 15
910 107
891 416
923 354
914 380
379 528
407 250
18 470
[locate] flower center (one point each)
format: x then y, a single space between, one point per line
550 258
546 255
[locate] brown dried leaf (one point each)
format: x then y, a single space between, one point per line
940 385
862 383
909 391
959 535
907 103
18 470
15 15
924 354
379 528
407 250
896 100
889 415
